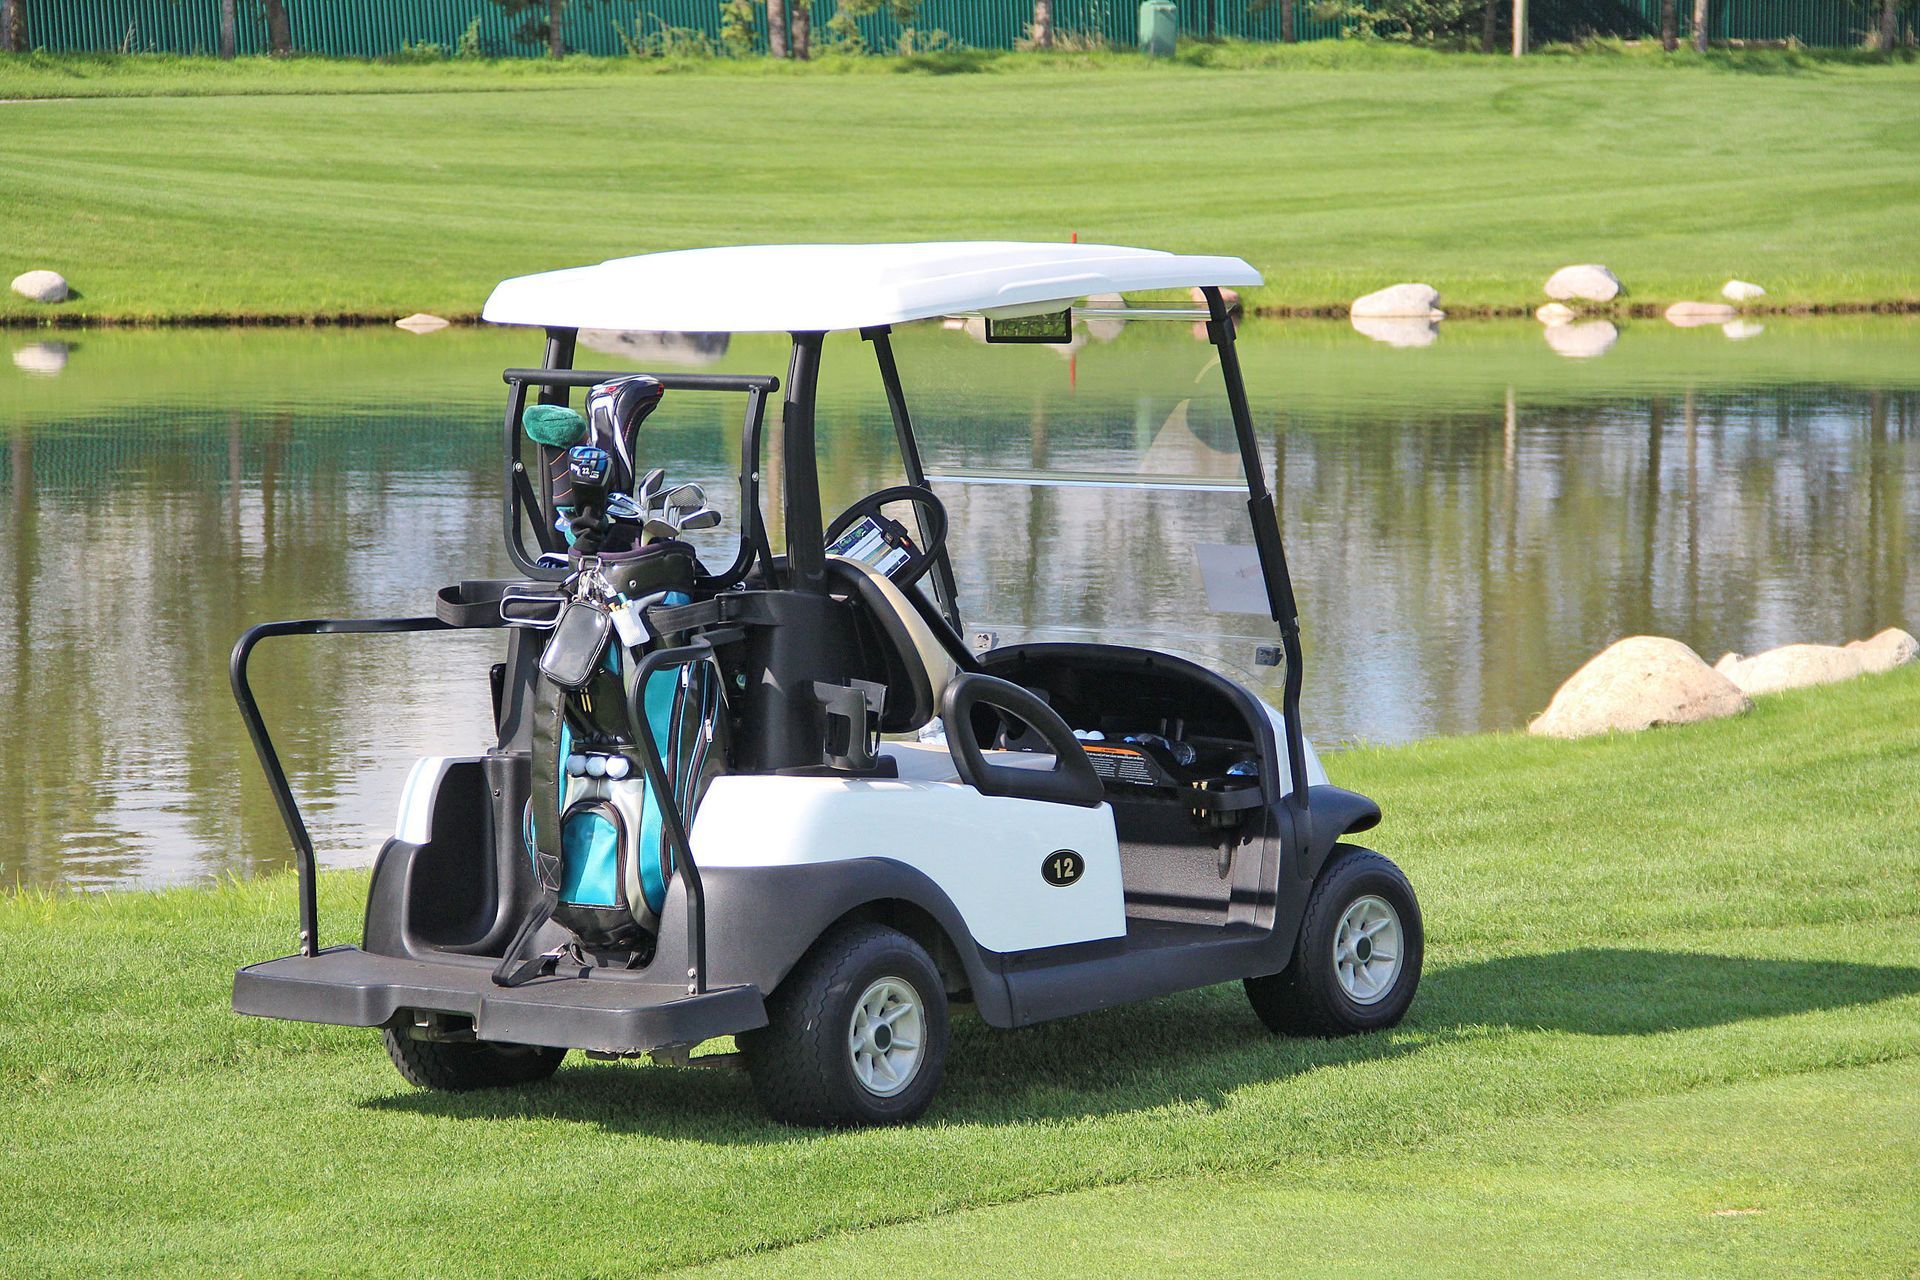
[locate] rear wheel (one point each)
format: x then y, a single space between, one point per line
1357 963
856 1035
457 1066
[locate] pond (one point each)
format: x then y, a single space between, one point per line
1468 522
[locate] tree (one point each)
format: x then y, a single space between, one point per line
541 22
777 28
228 28
1042 33
1286 15
1520 28
13 26
1669 25
1489 25
802 29
1889 24
279 30
1700 16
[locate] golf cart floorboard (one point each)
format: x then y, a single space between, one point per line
610 1013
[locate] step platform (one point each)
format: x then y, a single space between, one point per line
609 1011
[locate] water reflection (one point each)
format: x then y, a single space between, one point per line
1467 524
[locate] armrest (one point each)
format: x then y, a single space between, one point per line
1070 781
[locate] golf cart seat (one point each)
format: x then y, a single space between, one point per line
918 665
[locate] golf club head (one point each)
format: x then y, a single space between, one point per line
656 528
704 518
684 497
649 485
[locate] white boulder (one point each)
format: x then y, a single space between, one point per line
42 286
1891 648
1741 291
1692 315
1555 313
1791 666
422 322
1587 282
1398 331
1398 301
1635 684
1582 341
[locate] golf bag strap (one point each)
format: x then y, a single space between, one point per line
549 718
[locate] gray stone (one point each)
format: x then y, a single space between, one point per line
1791 666
1741 291
1416 301
422 322
1587 282
1891 648
1635 684
1556 313
42 286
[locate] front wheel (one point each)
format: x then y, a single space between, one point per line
856 1035
1357 963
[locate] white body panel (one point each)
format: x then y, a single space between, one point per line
985 852
415 823
778 288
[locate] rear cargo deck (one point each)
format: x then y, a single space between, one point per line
611 1011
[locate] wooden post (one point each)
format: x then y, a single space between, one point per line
802 29
1042 33
1520 28
228 37
1700 16
556 28
777 28
1286 21
1489 22
1669 25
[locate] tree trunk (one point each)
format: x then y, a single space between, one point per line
279 30
1042 33
1286 22
228 34
1889 25
777 28
1489 25
1213 25
1700 16
1669 25
802 29
1520 28
556 28
13 26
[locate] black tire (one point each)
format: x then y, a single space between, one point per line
802 1062
1308 997
455 1066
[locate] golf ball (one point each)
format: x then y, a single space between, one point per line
618 767
596 766
577 765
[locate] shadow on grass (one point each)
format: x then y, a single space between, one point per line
1203 1046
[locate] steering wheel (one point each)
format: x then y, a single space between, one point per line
917 559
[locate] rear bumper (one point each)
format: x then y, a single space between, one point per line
612 1012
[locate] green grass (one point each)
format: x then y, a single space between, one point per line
181 188
1669 974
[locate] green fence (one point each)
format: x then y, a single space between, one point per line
379 28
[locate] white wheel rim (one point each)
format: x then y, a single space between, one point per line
885 1036
1368 946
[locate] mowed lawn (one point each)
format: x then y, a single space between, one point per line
182 188
1670 1026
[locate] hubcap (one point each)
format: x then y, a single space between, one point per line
884 1036
1366 949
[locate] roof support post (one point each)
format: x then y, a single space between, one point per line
806 536
560 348
944 590
1266 541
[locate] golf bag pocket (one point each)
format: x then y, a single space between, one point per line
596 838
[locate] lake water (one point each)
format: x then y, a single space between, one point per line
1468 522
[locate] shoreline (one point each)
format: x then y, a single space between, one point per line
26 322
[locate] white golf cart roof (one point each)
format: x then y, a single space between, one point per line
780 288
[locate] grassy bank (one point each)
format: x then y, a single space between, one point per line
1670 976
176 188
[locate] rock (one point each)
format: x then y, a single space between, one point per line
1588 282
1582 341
1692 315
1891 648
1741 291
1397 331
1637 683
1792 666
421 322
42 286
1741 330
43 359
1555 313
1400 301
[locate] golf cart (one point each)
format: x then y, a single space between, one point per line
784 799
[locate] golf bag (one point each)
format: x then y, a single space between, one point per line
593 829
